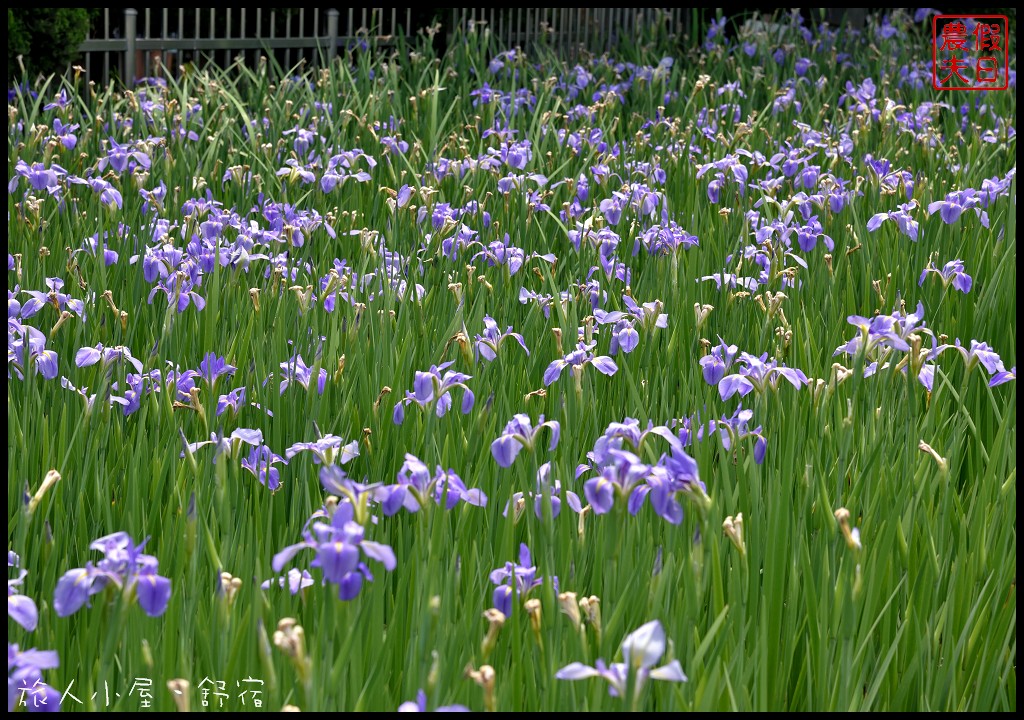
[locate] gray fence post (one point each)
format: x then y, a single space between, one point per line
130 17
332 34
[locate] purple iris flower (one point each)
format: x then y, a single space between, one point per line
715 29
124 566
338 541
661 488
92 246
404 194
519 433
758 374
621 474
416 488
545 302
340 168
109 195
25 684
616 435
328 450
927 376
181 383
902 217
179 289
61 101
625 477
296 370
213 367
515 581
488 344
20 608
503 253
38 175
956 203
979 353
579 359
681 470
665 239
396 145
420 705
807 235
42 360
260 462
731 164
234 400
337 482
733 430
54 297
137 387
624 335
952 273
717 363
605 240
732 281
612 207
1004 376
641 651
883 333
227 445
433 388
296 172
516 182
119 158
545 488
65 134
294 580
108 355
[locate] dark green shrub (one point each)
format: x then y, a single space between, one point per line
47 38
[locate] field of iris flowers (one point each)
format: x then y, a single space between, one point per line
668 380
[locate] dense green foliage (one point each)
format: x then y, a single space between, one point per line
46 38
919 613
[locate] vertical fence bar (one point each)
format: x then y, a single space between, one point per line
259 33
245 36
130 17
332 34
588 15
273 35
319 33
145 34
165 33
213 34
288 35
227 36
196 36
106 53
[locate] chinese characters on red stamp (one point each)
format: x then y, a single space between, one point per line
970 52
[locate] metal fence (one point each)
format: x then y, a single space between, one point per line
567 30
130 44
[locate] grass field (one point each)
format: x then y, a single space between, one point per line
509 368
